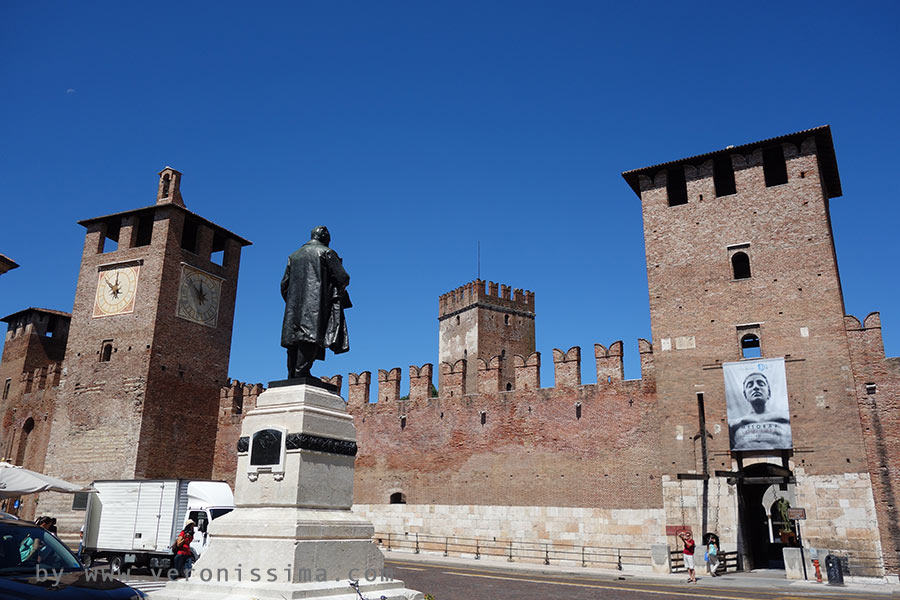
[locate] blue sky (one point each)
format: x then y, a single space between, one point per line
415 130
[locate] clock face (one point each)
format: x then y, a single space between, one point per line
116 290
198 296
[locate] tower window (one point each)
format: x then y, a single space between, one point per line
676 186
218 249
110 238
506 319
508 387
750 346
143 233
51 326
165 190
398 498
740 265
106 351
189 235
457 319
6 388
723 176
774 166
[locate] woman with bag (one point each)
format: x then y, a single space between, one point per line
712 554
182 548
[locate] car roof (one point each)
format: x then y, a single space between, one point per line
16 523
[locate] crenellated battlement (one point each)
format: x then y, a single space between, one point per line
38 321
236 397
866 342
728 163
454 383
488 294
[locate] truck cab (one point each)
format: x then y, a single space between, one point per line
206 503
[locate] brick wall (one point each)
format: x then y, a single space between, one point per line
878 394
587 446
696 305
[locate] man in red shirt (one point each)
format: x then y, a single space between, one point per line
182 546
688 551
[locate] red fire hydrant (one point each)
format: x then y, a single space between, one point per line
818 570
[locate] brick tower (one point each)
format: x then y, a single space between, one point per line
29 373
741 266
148 346
478 323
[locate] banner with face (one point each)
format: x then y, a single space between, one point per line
757 404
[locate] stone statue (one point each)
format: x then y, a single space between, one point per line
314 288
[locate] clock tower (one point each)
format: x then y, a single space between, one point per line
148 346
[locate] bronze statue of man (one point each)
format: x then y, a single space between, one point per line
314 288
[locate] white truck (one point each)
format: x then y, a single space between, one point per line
135 522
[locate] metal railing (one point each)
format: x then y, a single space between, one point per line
861 564
513 550
728 561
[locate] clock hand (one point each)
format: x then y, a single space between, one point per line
201 297
108 283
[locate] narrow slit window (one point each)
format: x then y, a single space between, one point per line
6 388
774 166
740 265
189 236
723 176
750 346
106 352
676 186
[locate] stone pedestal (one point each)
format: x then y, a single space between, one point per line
292 534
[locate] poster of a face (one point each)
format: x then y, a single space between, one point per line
757 403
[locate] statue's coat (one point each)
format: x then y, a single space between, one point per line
313 288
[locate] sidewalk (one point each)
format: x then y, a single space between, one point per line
763 579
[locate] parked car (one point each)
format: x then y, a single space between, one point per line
35 565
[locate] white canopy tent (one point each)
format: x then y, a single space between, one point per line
16 481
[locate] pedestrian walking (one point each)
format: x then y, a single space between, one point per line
712 554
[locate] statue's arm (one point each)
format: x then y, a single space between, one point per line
336 268
285 281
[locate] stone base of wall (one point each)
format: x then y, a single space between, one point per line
615 538
841 519
840 515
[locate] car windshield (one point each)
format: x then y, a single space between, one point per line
25 549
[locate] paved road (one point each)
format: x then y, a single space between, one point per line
454 582
464 583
